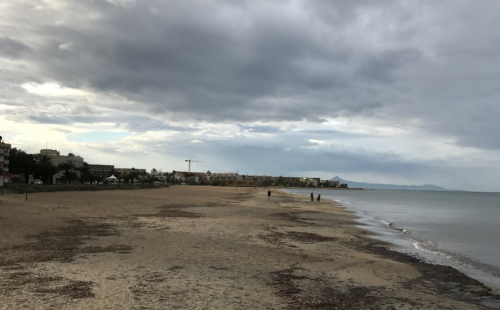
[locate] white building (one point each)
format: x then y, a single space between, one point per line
310 181
56 158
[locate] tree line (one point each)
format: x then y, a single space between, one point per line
41 167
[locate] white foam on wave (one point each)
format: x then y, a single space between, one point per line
393 226
429 247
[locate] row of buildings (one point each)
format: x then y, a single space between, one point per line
99 171
197 177
105 171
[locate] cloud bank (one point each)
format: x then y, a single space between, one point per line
375 90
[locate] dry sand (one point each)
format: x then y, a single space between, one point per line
207 248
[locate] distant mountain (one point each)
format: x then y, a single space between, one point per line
425 187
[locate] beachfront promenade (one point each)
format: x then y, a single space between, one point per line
206 248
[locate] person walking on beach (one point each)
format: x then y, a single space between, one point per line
312 196
319 197
269 194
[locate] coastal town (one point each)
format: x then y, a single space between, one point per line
49 166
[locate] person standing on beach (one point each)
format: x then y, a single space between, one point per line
312 196
269 194
319 197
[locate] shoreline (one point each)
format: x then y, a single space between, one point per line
389 247
400 241
191 247
394 237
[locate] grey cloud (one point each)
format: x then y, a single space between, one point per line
390 61
82 109
143 124
260 128
201 69
67 120
380 68
62 130
12 48
50 120
275 160
327 134
137 124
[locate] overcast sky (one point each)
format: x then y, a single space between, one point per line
403 92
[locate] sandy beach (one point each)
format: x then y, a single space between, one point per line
194 247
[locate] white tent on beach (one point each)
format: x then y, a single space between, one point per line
112 179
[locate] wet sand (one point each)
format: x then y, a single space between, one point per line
208 248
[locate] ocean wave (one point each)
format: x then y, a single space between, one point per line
430 247
402 231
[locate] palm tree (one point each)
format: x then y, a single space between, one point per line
84 172
133 174
67 168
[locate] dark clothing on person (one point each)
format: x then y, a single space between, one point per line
312 197
268 194
319 197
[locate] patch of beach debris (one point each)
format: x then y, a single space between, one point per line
44 284
172 211
442 279
298 217
152 289
61 244
304 237
289 285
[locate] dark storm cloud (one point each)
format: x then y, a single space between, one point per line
11 48
178 62
434 64
379 68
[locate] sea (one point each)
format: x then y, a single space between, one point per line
458 229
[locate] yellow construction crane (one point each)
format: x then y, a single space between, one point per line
192 161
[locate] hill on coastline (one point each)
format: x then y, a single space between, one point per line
425 187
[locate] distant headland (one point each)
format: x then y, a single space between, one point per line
425 187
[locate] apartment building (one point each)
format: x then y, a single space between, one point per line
291 179
101 171
259 178
310 181
128 170
221 176
331 182
56 158
195 176
4 161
